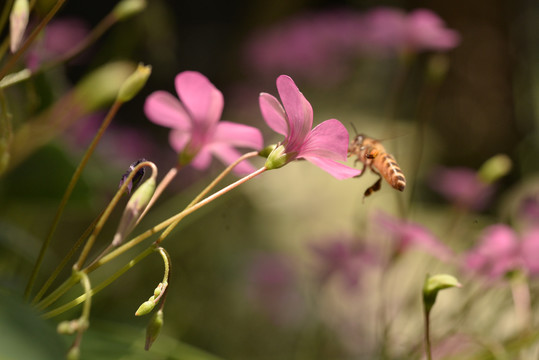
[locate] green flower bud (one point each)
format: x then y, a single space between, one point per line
265 152
146 307
127 8
134 83
18 20
495 168
101 87
277 158
73 353
159 289
134 208
433 284
68 327
154 328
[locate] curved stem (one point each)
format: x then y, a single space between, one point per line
427 335
172 220
103 219
74 179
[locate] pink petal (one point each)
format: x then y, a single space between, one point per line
238 135
228 155
202 100
178 139
162 108
337 170
273 113
327 140
202 160
298 110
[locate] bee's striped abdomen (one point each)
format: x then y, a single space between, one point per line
390 170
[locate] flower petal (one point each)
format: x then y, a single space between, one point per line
203 100
178 139
202 160
298 110
228 155
273 113
336 169
328 140
163 108
239 135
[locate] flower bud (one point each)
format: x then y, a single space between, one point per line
495 168
277 158
154 328
134 208
159 289
101 87
73 353
127 8
265 152
134 83
146 307
18 20
433 284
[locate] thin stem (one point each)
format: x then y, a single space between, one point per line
74 179
427 335
177 217
61 309
13 60
3 19
133 242
208 188
97 229
64 261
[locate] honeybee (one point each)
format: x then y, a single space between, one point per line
373 155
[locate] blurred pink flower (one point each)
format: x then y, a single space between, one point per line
197 133
60 36
323 146
391 29
322 47
272 287
409 234
314 46
501 250
342 258
462 187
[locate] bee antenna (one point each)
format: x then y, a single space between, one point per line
354 127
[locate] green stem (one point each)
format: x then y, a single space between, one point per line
64 261
13 60
173 219
427 335
61 309
112 112
68 284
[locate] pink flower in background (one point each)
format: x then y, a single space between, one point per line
409 234
272 288
501 250
315 46
197 133
391 29
322 47
462 187
341 257
323 146
59 37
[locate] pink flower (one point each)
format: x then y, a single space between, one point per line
391 29
501 250
409 234
59 37
462 187
323 146
197 133
341 257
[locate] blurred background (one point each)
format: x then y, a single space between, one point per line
294 264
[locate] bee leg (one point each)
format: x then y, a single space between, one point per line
362 170
375 187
